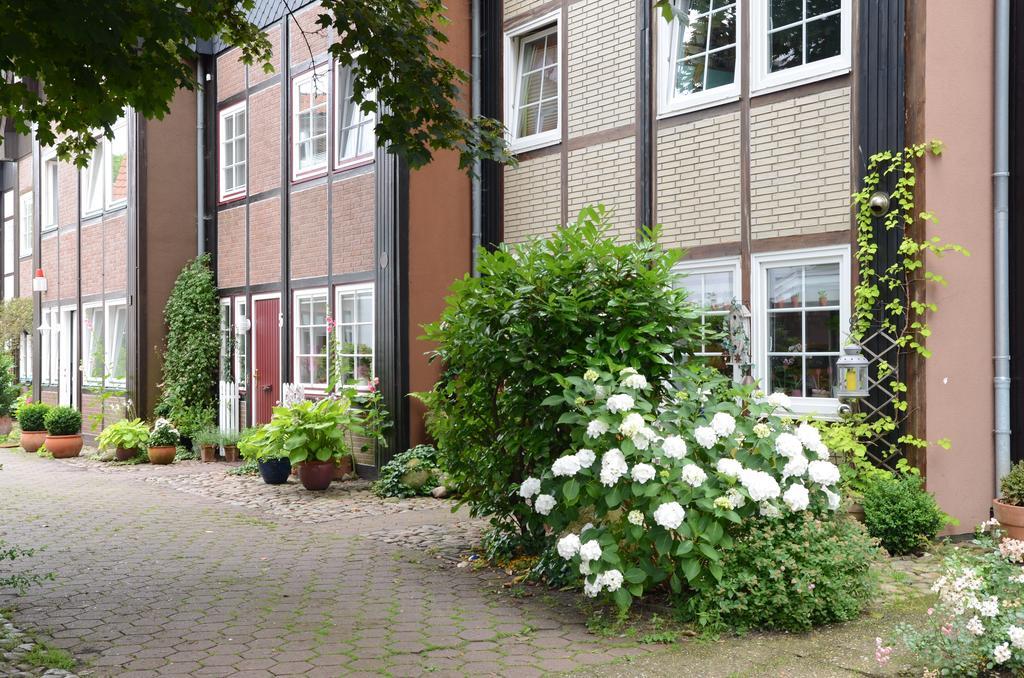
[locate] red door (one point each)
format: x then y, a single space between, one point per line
266 377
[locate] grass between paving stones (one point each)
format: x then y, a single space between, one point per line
46 657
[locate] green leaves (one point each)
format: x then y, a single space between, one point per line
571 490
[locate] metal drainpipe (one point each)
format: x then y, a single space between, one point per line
200 163
1001 180
477 207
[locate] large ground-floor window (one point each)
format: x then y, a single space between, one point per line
354 325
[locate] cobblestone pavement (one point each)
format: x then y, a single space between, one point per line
17 655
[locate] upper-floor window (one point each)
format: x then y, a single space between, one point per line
309 123
10 262
232 151
354 137
698 56
25 223
48 202
797 41
105 179
534 86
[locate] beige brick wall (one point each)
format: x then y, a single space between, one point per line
533 198
602 64
800 165
514 8
605 173
698 182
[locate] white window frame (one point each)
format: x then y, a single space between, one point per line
50 348
242 375
825 408
110 348
669 102
26 239
49 203
339 290
99 171
296 328
25 357
317 76
514 37
762 81
110 338
87 339
108 181
342 77
730 265
232 112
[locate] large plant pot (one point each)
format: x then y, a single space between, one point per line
316 475
230 453
343 467
64 447
208 453
1011 519
856 511
125 454
31 441
162 455
276 471
6 424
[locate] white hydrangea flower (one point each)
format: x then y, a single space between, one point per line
613 467
568 546
635 518
1016 634
632 424
694 475
642 473
584 567
788 445
833 499
596 429
670 515
705 436
796 467
809 436
568 465
544 504
988 607
778 399
975 626
1002 653
820 450
762 430
643 438
590 551
592 588
736 498
722 503
823 472
674 447
600 392
723 424
591 376
769 510
636 381
759 485
529 487
796 497
620 402
611 580
585 457
729 467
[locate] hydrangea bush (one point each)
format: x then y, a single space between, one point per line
652 490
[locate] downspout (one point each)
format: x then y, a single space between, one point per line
477 192
200 160
1001 181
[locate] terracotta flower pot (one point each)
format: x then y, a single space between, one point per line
230 453
162 455
31 441
1011 518
122 454
855 511
316 475
208 452
6 424
64 447
343 467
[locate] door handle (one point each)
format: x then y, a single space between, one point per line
267 388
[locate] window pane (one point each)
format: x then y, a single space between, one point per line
784 374
549 115
822 283
816 7
822 331
533 54
347 308
695 6
823 38
118 190
820 376
527 121
786 49
784 285
365 306
530 91
364 343
718 291
784 332
690 76
693 37
721 68
723 28
551 49
784 12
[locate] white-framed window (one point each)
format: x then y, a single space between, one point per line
25 357
311 338
798 41
533 82
354 325
48 200
241 344
10 262
25 223
49 346
94 356
801 311
713 285
105 178
354 130
309 123
117 341
698 56
104 342
233 151
226 366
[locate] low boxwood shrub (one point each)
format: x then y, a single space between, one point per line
32 416
790 574
411 473
63 421
1011 487
901 514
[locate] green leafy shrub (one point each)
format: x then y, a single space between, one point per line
310 431
9 389
63 421
902 515
254 446
128 434
791 574
163 434
1012 486
539 310
23 399
32 416
411 473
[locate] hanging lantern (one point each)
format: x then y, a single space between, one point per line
39 281
851 374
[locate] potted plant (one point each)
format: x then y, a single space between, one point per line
163 442
274 464
31 419
1009 507
822 297
128 437
63 432
229 442
8 393
206 441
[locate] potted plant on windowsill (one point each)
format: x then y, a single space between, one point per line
273 462
1009 507
206 441
31 419
128 437
163 442
63 432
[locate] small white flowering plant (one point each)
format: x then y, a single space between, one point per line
163 434
977 624
652 491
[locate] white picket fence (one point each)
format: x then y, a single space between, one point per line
229 404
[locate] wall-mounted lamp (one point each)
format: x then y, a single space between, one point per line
878 203
39 281
851 374
242 325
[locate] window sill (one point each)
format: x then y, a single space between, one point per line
234 196
825 409
307 175
535 141
670 109
783 80
353 163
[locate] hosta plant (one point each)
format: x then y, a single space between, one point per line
128 434
650 493
310 431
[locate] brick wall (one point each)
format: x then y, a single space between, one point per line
230 74
93 405
92 258
265 241
265 140
256 72
25 174
605 173
25 278
800 165
515 7
533 198
698 182
50 265
231 247
67 194
68 277
307 39
353 207
308 230
602 58
115 254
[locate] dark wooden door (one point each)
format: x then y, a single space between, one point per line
266 376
